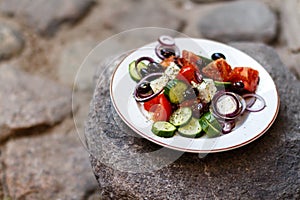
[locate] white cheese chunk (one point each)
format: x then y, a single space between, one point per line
207 90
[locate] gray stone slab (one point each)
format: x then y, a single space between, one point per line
290 23
50 166
267 168
46 16
28 101
240 21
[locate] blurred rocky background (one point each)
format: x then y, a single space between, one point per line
44 42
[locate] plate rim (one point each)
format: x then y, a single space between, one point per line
187 149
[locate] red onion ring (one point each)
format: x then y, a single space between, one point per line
166 40
137 97
239 101
140 60
256 96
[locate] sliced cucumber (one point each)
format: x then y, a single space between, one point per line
163 129
133 72
174 90
181 116
192 129
224 84
210 125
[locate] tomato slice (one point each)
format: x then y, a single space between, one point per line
188 73
160 106
247 75
219 70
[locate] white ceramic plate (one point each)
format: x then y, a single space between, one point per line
251 127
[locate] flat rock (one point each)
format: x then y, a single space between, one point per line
290 13
240 21
11 41
28 101
139 14
130 167
45 16
50 166
72 70
207 1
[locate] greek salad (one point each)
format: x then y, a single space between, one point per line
191 95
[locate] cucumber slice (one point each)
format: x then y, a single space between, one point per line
174 90
192 129
224 84
133 72
163 129
210 125
181 116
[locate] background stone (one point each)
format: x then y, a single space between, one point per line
46 16
291 24
11 41
240 21
50 166
29 101
265 169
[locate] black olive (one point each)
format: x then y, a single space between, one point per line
144 88
190 94
154 67
238 86
167 52
217 56
199 109
144 72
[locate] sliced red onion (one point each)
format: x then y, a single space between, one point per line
137 97
239 102
256 96
166 40
140 60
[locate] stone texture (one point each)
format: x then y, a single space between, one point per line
207 1
50 166
240 21
268 168
46 16
139 14
11 41
72 58
28 101
291 23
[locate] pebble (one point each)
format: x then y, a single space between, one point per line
240 21
45 16
11 41
28 101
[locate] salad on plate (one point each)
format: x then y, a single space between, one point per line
191 95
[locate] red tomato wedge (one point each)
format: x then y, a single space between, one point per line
160 106
218 70
188 73
247 75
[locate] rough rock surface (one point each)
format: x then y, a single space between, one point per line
11 41
139 14
28 101
291 24
240 21
52 166
46 16
268 168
